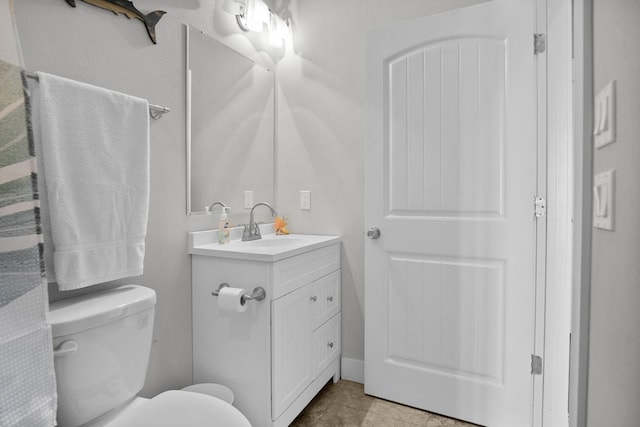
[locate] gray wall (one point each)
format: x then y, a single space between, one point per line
614 378
321 132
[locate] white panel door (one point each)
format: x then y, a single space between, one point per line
451 177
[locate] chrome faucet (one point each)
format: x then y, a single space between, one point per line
252 230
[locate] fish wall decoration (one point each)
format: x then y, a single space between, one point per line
129 10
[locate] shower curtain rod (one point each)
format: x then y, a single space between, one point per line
155 111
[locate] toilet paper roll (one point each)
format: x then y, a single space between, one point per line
230 300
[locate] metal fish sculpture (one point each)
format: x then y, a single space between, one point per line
128 9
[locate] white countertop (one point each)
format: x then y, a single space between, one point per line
270 248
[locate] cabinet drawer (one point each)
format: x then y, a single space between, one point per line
291 273
326 344
325 298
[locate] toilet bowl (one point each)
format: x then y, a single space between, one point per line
215 390
181 408
102 342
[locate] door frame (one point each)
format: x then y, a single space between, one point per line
553 326
582 202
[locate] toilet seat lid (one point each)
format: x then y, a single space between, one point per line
182 408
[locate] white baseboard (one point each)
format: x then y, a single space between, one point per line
353 370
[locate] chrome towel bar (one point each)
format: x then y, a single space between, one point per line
155 111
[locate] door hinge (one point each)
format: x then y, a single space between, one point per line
540 207
539 43
536 365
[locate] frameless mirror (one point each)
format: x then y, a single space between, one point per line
230 126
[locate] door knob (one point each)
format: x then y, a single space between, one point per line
373 233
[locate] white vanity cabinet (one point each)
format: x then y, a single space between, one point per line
281 351
305 327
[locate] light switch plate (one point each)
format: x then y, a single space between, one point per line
604 128
603 200
305 200
248 199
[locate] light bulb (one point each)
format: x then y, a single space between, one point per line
278 31
274 40
257 15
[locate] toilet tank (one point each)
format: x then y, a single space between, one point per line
101 342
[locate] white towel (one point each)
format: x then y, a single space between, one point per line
95 144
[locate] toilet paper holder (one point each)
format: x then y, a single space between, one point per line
258 293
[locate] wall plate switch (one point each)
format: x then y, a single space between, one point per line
305 200
603 198
248 199
604 128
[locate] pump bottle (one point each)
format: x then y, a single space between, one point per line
223 226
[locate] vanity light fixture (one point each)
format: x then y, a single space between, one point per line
253 15
238 8
279 31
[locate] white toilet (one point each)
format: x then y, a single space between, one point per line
101 346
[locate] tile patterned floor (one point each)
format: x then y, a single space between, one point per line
344 404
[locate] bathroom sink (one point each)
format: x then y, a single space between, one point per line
270 248
276 242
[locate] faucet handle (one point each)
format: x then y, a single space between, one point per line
246 232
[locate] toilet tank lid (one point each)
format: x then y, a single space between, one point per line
87 311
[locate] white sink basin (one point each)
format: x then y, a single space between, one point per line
276 242
270 248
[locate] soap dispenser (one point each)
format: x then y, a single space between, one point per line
223 226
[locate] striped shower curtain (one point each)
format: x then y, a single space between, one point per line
27 381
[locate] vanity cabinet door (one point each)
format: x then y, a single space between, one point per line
291 328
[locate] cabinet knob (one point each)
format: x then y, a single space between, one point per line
330 299
330 345
314 298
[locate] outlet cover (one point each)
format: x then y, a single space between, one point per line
248 199
305 200
604 128
603 200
